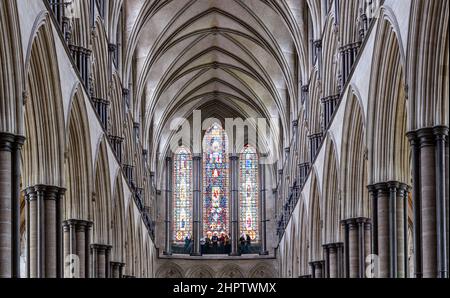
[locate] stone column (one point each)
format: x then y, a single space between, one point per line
121 269
390 218
383 230
353 248
417 203
441 134
168 246
76 244
44 233
197 206
334 259
317 269
428 147
357 245
262 211
10 146
115 273
100 260
234 184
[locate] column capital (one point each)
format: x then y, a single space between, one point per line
10 142
441 132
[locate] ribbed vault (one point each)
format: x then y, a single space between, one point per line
234 58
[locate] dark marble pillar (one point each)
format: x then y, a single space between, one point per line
168 246
390 228
357 246
429 196
197 206
76 248
234 186
10 146
100 260
333 259
317 269
262 211
44 231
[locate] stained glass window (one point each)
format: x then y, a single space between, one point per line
248 190
182 196
215 182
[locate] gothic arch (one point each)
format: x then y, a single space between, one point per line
169 270
304 239
315 221
200 271
43 152
117 107
330 61
331 197
315 107
100 70
354 179
428 64
262 270
230 271
11 76
118 222
130 244
78 160
102 196
387 124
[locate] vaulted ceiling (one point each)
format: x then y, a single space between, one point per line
227 58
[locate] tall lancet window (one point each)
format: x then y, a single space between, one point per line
182 196
248 193
215 182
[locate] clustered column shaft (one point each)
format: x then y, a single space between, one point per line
76 248
263 215
44 243
357 246
334 257
168 247
430 201
10 146
197 182
234 170
390 213
100 254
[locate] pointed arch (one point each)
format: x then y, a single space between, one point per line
102 196
43 152
387 125
315 221
331 199
78 164
130 244
354 176
118 222
11 76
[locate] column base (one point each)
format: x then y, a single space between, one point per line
264 253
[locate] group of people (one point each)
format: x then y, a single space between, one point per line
216 244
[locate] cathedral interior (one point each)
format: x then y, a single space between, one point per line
224 139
